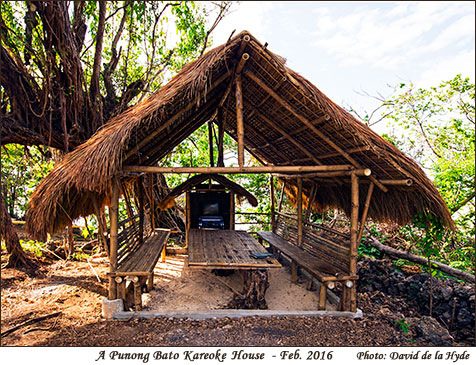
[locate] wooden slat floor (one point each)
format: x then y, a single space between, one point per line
226 249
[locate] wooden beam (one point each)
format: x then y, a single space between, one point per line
271 191
236 169
192 104
240 132
299 212
406 182
241 64
309 124
354 220
352 150
114 218
365 212
358 172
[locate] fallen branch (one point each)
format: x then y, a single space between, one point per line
30 321
94 271
459 274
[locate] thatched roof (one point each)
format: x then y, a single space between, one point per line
187 185
288 121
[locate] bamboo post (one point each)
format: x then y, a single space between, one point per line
271 190
365 212
114 218
294 276
150 281
232 210
210 143
163 254
322 296
239 121
281 197
187 217
137 293
151 200
299 212
354 220
140 182
221 133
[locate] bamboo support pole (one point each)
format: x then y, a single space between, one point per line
232 210
322 296
236 170
281 197
316 131
221 134
271 191
150 281
114 218
137 293
365 212
239 121
354 220
151 200
187 218
210 143
140 183
294 275
299 212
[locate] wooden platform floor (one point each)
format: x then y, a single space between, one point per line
226 249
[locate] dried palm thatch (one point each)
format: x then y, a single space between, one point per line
288 121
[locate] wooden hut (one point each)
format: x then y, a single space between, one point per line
327 158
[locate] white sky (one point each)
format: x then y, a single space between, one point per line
349 47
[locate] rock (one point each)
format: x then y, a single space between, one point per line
445 292
430 330
464 318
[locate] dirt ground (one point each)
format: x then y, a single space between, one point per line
75 289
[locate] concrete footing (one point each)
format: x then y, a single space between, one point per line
234 313
110 307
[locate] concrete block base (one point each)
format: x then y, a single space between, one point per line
109 307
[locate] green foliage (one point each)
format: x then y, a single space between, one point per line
436 126
22 169
402 324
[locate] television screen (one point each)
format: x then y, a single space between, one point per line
211 209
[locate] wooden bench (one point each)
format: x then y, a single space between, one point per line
324 256
137 264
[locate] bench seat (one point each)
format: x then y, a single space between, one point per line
321 270
138 265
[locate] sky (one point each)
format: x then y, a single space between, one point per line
351 50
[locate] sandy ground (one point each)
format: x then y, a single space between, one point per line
177 288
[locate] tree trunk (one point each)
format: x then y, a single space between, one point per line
459 274
17 255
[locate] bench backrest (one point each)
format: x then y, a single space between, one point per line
128 237
327 244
